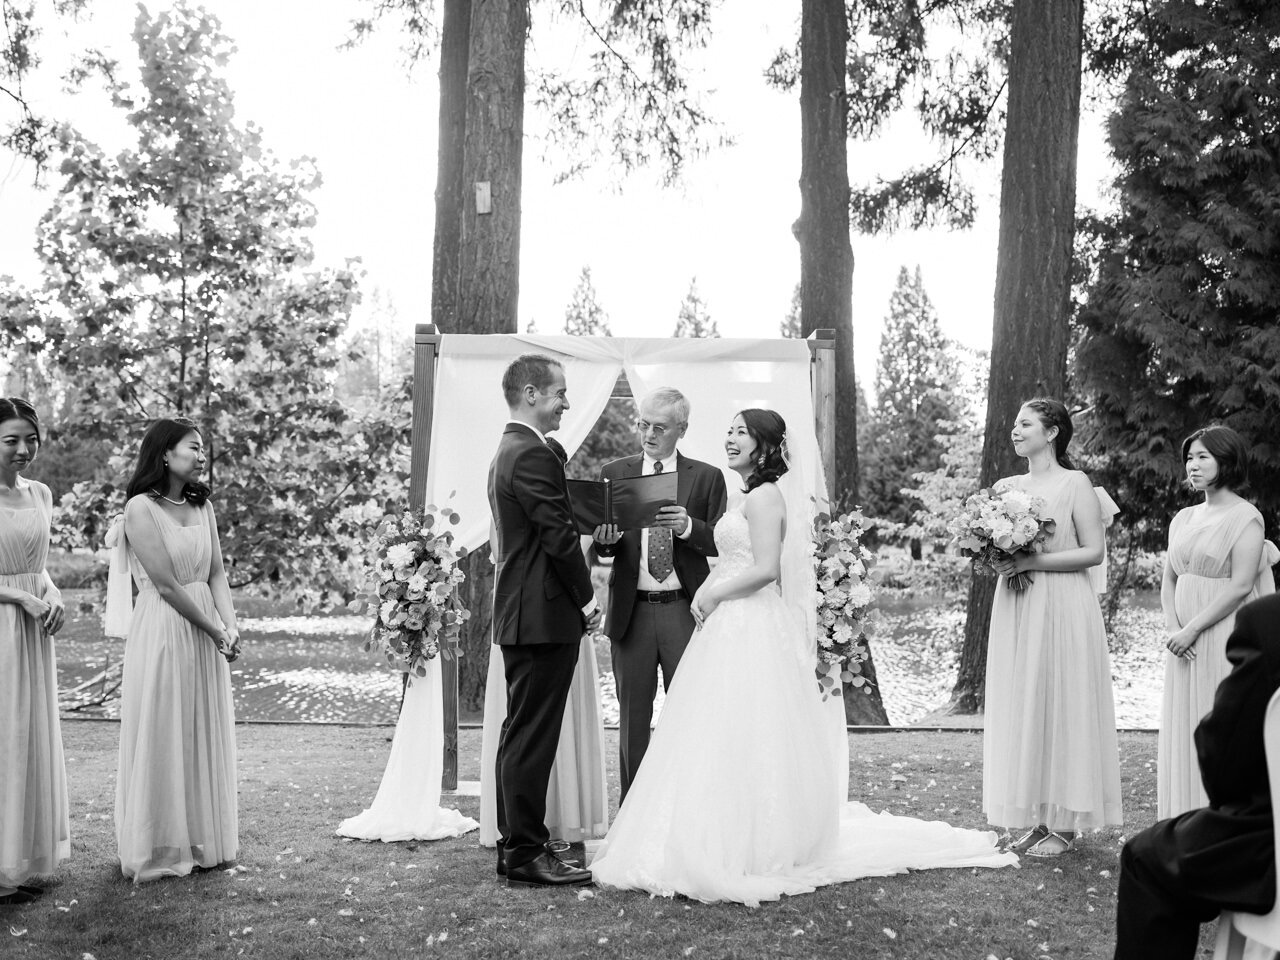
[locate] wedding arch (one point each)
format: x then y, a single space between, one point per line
459 413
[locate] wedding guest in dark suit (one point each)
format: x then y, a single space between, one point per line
1181 872
656 570
543 602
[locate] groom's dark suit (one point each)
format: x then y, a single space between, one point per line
641 642
541 585
1180 872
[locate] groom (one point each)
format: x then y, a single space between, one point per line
542 604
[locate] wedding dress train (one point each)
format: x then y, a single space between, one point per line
737 798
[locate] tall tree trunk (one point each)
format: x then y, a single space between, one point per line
488 266
826 256
1033 265
455 39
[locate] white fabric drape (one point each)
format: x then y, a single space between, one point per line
469 413
407 806
718 376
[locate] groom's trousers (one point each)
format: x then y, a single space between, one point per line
538 680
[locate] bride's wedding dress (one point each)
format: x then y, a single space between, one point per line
737 798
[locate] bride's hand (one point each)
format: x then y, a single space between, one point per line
703 605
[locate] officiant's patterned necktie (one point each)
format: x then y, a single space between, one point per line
660 565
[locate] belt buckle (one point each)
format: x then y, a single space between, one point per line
654 596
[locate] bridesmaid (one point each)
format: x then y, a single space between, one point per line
1217 561
1051 763
176 792
35 833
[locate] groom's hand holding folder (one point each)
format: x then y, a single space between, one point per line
626 503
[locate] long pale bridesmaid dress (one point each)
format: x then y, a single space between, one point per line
1050 754
176 792
35 833
1200 554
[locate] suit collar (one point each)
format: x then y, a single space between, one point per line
518 426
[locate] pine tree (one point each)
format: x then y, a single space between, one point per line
790 326
584 316
694 319
915 373
613 435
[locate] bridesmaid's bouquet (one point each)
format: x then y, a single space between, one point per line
413 590
994 524
842 567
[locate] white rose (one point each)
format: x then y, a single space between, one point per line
400 555
860 595
1002 532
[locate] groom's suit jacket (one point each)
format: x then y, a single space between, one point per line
541 581
701 491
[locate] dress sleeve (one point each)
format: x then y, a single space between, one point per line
1109 507
119 610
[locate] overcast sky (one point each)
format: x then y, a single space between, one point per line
371 124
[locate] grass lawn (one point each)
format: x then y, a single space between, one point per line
301 892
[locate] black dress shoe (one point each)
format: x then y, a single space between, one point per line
502 862
547 870
17 898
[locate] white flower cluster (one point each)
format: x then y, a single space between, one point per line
415 576
842 566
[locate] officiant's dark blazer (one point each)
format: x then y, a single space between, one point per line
1180 872
541 580
700 490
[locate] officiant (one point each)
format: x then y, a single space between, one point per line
656 570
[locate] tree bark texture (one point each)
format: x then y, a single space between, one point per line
488 251
1033 264
826 255
455 39
489 263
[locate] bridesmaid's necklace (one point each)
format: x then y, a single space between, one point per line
177 503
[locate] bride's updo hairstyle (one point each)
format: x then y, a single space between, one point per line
767 429
1052 413
151 475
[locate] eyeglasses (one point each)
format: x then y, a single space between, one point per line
644 426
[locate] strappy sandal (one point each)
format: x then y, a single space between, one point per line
1029 839
1052 844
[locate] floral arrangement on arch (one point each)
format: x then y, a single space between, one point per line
413 581
1001 523
846 590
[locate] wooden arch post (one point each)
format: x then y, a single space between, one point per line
426 352
822 380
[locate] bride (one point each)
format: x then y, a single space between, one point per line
737 798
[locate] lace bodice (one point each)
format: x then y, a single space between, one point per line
733 541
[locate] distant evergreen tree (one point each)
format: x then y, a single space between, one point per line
584 316
915 374
694 319
790 326
613 435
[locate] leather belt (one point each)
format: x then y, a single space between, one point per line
660 596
